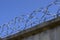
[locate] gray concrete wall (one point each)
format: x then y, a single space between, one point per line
39 32
53 34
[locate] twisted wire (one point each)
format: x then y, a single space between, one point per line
15 24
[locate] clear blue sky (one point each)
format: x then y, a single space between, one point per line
9 9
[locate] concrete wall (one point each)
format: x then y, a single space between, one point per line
42 31
53 34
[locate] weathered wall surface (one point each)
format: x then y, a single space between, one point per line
49 30
53 34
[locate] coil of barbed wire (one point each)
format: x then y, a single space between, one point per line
21 18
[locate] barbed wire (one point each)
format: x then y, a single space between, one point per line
15 24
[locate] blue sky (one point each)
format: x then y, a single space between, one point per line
9 9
